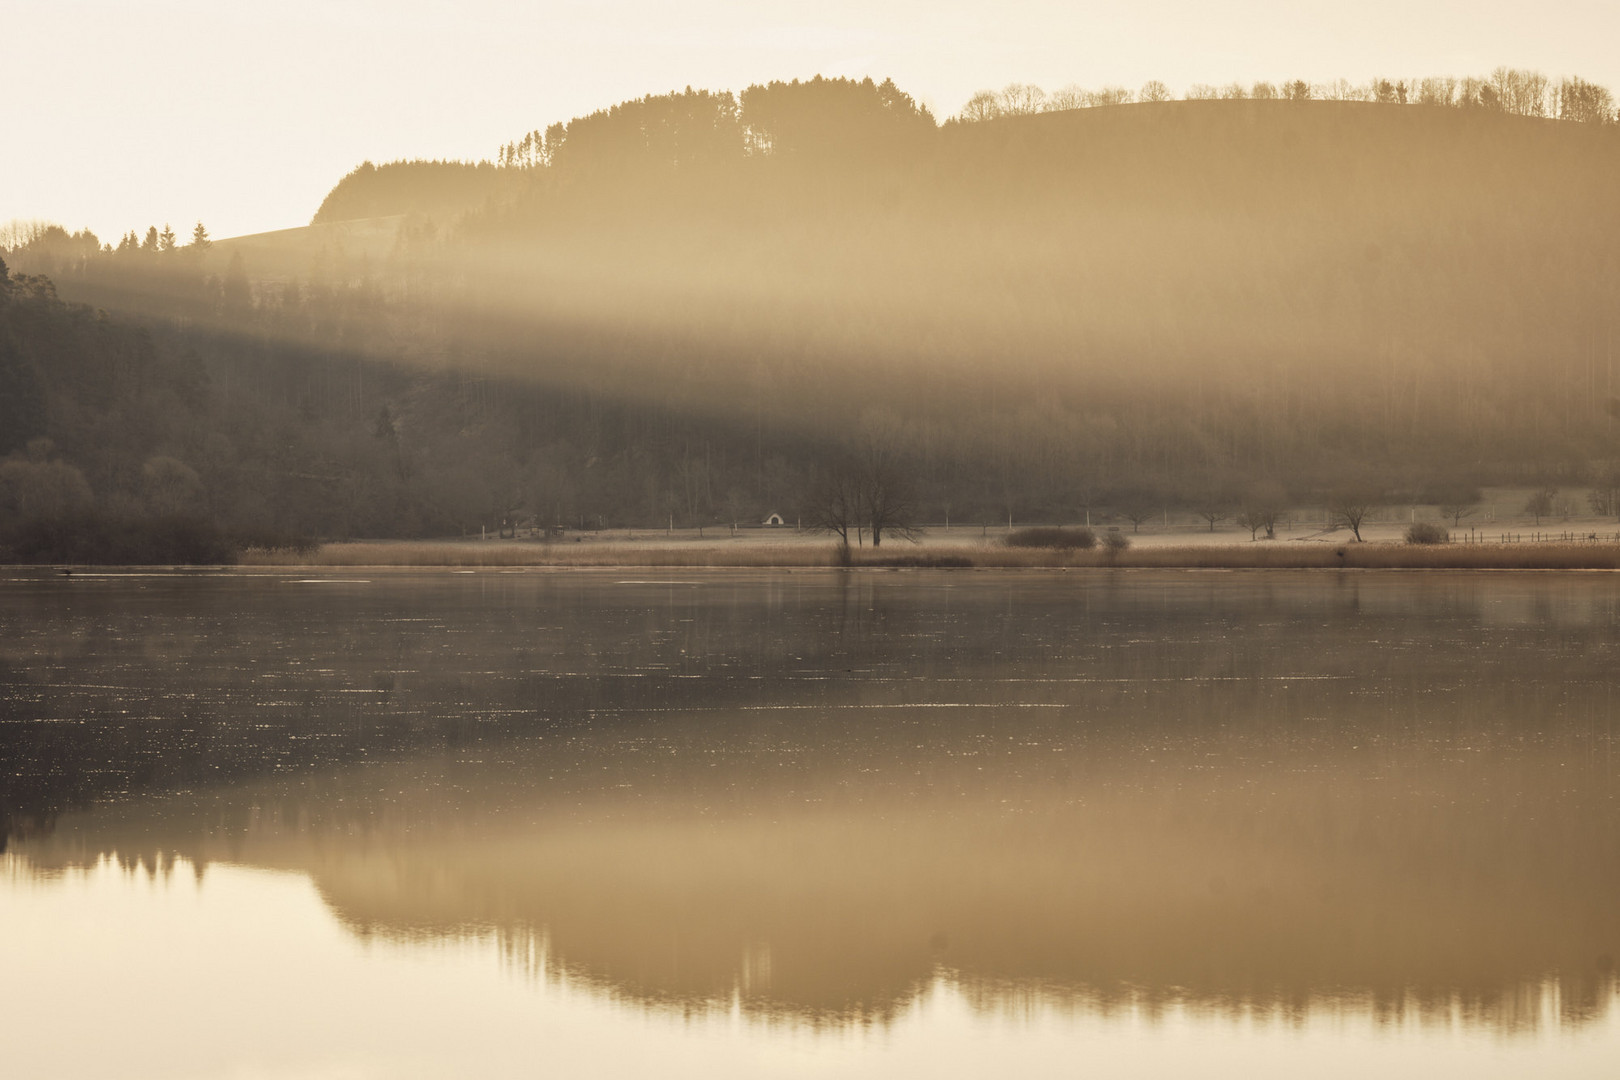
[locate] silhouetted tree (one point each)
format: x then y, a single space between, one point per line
1137 507
984 105
1068 97
1255 517
1456 503
1214 513
1350 506
1021 99
885 490
1585 102
1259 507
835 504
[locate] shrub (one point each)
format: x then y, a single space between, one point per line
1047 536
1116 542
1427 532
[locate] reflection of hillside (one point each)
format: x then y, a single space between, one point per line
818 789
834 880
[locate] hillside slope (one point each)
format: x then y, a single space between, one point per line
690 302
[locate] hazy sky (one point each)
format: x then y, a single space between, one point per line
243 113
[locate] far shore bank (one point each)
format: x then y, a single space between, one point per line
1348 554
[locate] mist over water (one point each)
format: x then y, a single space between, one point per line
1379 808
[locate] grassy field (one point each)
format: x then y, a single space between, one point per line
1584 555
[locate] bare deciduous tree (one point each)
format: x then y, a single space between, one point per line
885 492
1214 513
1259 507
1068 97
1021 99
835 506
1110 95
1254 518
1437 91
1540 504
1520 92
736 506
865 491
1350 508
1453 501
889 510
1137 510
1585 102
985 105
1605 498
1458 510
1341 90
1474 93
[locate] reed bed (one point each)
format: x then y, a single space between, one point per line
1239 556
1372 556
428 553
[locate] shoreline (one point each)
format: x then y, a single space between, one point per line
1262 555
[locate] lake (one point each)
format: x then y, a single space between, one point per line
721 823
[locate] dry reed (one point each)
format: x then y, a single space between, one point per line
429 553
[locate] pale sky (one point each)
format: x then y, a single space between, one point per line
243 113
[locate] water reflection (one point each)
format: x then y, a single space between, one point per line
823 797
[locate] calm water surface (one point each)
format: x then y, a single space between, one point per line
747 824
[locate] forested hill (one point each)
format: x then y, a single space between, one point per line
1250 284
684 306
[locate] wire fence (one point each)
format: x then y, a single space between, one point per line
1480 536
